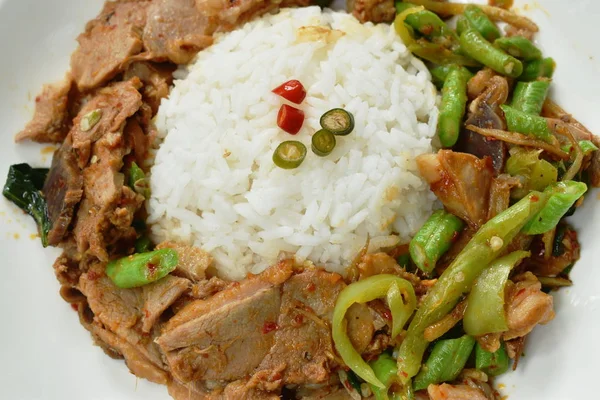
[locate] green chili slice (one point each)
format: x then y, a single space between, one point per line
289 154
323 143
338 121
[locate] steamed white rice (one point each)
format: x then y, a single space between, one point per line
214 183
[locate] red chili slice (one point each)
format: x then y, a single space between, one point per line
291 90
290 119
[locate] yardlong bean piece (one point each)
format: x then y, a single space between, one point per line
452 109
535 69
458 278
528 124
519 47
439 74
434 239
427 24
142 269
480 22
483 51
493 364
529 97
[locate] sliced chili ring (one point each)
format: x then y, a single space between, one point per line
289 154
323 143
338 121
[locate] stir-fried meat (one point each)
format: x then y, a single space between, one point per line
303 346
526 306
490 342
242 390
115 103
50 121
595 164
137 140
206 288
565 252
209 339
484 112
159 296
332 392
361 327
176 30
500 194
157 79
377 263
193 261
189 391
137 363
514 31
108 43
479 82
232 13
372 10
461 181
63 190
455 392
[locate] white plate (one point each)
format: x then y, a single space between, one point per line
46 354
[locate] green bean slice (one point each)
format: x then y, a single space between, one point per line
323 143
479 21
289 154
142 269
338 121
519 47
483 51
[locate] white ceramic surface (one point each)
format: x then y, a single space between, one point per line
46 354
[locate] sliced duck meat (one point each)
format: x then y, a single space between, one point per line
375 11
206 288
209 339
455 392
50 123
176 31
461 181
157 79
105 114
63 190
193 261
303 348
159 296
108 43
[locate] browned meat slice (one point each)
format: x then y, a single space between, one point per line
50 120
455 392
526 306
514 31
137 363
209 339
479 82
108 43
461 181
193 261
206 288
372 10
332 392
114 104
63 190
303 349
159 296
241 390
157 79
176 31
500 194
377 263
137 140
190 391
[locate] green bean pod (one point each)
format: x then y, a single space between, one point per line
447 360
426 23
142 269
452 109
460 275
535 69
529 97
439 74
519 47
434 239
483 51
462 24
528 124
480 22
402 6
493 364
386 371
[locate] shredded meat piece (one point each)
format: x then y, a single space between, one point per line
159 296
490 342
372 10
526 306
193 261
108 43
514 31
207 288
500 194
157 79
455 392
50 121
479 82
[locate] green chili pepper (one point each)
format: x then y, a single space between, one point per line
338 121
447 359
434 239
475 46
458 278
562 196
529 97
386 371
493 364
452 109
528 124
143 244
138 181
533 70
401 300
323 142
519 47
289 154
534 173
141 269
485 304
480 22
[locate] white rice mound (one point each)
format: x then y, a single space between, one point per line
214 183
